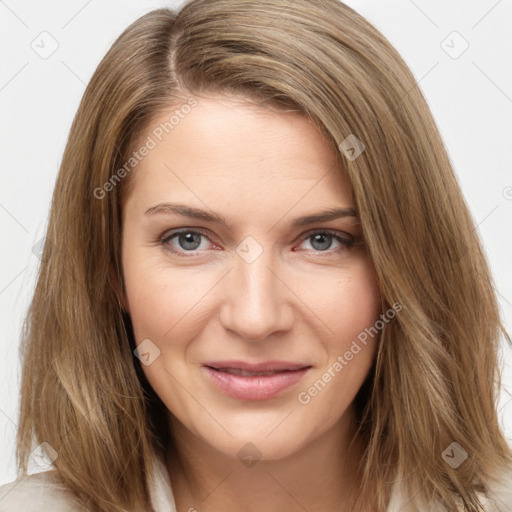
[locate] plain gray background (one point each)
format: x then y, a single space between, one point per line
459 51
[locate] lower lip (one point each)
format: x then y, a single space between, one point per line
258 387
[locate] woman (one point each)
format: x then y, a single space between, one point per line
261 288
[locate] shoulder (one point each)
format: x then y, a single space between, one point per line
44 492
498 498
41 492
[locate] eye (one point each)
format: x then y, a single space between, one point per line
321 241
193 241
187 240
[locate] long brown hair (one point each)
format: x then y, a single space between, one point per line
436 376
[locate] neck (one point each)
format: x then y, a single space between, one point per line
322 475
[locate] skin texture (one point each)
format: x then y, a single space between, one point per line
299 300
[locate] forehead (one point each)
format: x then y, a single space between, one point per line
227 148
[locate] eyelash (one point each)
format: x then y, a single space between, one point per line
167 237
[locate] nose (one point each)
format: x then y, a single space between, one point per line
257 300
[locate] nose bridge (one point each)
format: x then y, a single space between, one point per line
255 303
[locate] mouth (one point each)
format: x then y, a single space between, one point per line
254 381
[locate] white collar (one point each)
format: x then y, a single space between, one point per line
160 490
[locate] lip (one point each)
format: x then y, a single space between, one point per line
254 387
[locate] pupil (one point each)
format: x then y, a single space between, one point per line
188 238
319 237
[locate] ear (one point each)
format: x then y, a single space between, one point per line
119 290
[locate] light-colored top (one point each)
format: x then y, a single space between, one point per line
42 492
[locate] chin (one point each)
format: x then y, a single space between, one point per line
250 449
265 437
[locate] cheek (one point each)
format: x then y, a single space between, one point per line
161 307
159 298
349 304
362 307
352 305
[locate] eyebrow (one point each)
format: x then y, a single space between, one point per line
196 213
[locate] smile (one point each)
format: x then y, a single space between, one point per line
246 381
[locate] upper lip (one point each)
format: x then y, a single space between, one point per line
265 366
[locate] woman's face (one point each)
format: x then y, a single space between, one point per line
250 327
